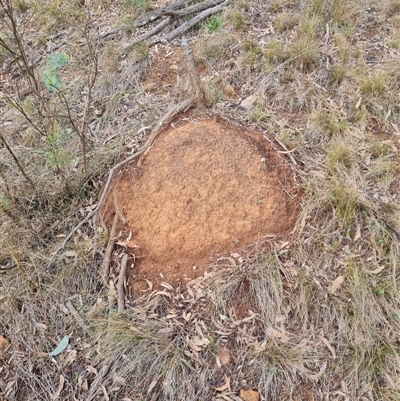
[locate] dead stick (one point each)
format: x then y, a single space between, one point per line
76 315
149 34
94 388
120 285
110 246
119 211
189 24
165 120
194 76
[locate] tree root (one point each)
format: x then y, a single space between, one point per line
197 98
163 123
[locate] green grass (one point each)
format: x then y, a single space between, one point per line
214 24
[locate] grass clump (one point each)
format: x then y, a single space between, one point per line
393 8
338 73
286 21
340 155
331 123
238 21
346 202
374 84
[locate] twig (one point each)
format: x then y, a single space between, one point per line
95 387
120 284
149 34
119 211
76 314
165 120
110 246
21 169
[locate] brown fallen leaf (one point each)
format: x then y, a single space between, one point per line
336 284
224 355
3 345
249 395
357 235
226 386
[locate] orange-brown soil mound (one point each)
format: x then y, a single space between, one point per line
203 189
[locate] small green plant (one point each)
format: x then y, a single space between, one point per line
51 73
393 8
214 23
253 51
304 53
142 4
22 6
213 95
238 20
142 51
274 52
309 28
5 204
291 138
380 149
394 42
56 153
257 115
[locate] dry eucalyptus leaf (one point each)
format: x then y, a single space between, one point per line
56 395
3 345
357 235
69 254
224 355
62 345
249 102
226 386
249 395
336 284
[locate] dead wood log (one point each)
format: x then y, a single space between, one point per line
170 14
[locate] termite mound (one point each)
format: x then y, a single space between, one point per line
203 190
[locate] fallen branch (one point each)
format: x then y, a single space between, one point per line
95 387
148 18
205 9
189 24
149 34
165 120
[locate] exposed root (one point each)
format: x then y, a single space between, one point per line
163 123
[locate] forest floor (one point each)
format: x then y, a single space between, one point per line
251 252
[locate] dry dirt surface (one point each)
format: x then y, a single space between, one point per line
205 189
